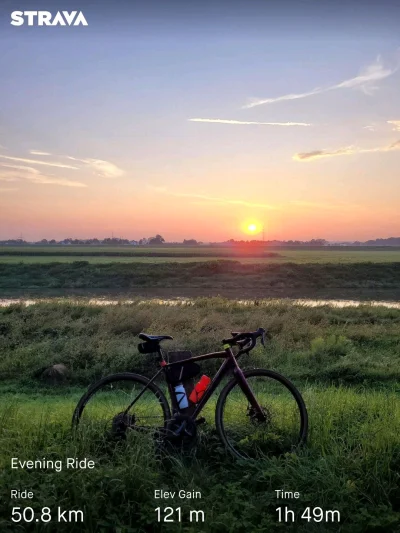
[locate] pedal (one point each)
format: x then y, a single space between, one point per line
200 420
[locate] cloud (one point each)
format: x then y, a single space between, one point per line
24 173
8 189
211 199
395 124
325 205
37 152
2 147
225 121
301 204
366 81
38 162
348 150
102 168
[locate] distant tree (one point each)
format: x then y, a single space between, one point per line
190 242
158 239
318 242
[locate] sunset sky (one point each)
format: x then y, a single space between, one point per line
193 123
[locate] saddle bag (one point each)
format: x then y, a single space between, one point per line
148 347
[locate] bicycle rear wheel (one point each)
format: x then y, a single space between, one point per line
285 423
101 412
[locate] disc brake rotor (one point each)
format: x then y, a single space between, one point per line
256 417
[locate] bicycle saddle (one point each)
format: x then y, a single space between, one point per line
154 338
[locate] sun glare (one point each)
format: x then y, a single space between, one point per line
252 228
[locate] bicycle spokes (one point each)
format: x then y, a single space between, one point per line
106 413
253 432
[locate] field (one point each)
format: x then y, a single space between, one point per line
346 362
166 253
361 281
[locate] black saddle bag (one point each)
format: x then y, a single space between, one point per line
148 347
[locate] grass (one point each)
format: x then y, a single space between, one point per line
289 256
351 345
289 279
351 465
152 254
346 362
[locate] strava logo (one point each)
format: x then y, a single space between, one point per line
45 18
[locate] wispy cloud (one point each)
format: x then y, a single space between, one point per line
38 152
331 205
25 173
102 168
247 123
200 199
366 81
395 124
2 147
8 189
211 199
38 162
348 150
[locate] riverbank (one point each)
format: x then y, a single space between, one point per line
231 279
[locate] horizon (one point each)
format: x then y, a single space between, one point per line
198 241
202 122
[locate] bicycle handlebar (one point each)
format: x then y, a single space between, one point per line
243 338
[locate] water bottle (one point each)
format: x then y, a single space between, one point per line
181 397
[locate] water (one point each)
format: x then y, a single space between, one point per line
6 302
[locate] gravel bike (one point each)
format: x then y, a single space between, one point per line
258 412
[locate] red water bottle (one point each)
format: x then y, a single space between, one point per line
199 389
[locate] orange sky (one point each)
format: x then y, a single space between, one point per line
191 132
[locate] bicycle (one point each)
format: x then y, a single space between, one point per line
259 412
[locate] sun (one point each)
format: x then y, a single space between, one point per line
251 226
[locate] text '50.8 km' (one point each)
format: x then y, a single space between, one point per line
45 18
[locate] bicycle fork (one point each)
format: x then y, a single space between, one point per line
246 389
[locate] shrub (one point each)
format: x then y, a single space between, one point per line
333 346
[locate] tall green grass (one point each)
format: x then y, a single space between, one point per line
344 361
358 346
350 464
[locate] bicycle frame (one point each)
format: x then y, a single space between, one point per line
230 362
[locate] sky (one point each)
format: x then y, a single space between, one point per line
198 119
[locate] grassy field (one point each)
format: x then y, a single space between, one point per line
289 256
152 254
346 362
210 278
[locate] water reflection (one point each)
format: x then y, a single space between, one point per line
6 302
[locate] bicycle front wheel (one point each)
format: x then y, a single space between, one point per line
282 428
121 407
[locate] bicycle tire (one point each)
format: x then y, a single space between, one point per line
219 412
127 376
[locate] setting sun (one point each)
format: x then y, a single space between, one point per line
252 228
